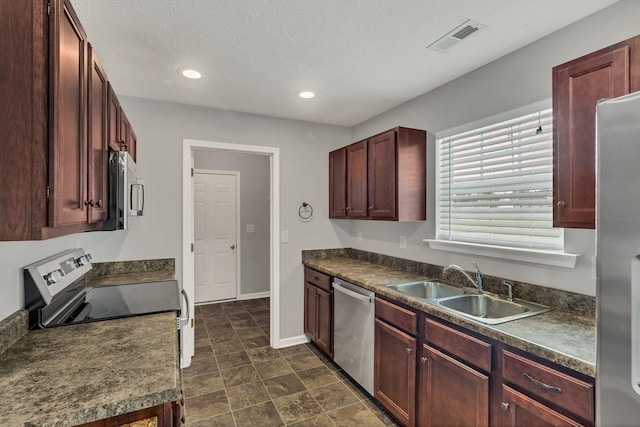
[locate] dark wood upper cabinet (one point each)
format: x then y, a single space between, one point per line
577 87
68 112
338 183
357 180
384 177
113 118
98 102
55 123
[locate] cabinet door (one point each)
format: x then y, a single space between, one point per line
450 392
577 87
382 176
124 130
394 380
67 137
113 112
338 183
97 154
132 142
324 323
357 180
521 410
310 315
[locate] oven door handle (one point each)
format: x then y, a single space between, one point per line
184 321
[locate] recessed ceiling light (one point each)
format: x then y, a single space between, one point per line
189 73
306 94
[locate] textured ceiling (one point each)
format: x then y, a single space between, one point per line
361 57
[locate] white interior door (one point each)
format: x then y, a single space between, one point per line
215 235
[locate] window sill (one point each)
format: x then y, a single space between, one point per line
558 259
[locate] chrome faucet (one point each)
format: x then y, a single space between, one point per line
477 282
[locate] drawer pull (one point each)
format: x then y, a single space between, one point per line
542 385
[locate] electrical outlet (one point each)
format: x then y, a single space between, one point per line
403 242
284 236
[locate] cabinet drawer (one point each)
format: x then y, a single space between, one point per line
397 316
466 347
554 386
319 279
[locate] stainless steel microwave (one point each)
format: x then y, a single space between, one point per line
126 191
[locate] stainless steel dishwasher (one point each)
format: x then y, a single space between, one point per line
353 334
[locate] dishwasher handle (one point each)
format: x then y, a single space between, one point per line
356 295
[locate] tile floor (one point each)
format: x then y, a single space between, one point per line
236 379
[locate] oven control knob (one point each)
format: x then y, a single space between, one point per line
54 277
83 260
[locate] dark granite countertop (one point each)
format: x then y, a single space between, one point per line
128 278
76 374
561 337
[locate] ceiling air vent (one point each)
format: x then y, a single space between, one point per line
456 35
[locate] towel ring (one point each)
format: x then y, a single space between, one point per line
305 212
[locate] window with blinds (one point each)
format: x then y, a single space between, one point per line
495 185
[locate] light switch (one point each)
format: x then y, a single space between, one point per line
284 236
251 228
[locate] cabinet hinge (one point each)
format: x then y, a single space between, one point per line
48 191
48 8
192 247
191 172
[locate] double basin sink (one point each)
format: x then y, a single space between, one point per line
468 303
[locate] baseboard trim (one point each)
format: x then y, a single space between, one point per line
291 341
255 295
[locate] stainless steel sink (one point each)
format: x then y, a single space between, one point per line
427 289
489 309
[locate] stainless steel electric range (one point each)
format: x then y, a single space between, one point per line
56 294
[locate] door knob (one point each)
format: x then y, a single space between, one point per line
504 406
561 204
233 247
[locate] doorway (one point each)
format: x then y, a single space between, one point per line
189 146
216 221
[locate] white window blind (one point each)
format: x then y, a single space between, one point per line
495 185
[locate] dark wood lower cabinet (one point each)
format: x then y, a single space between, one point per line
395 371
450 393
521 410
318 310
166 415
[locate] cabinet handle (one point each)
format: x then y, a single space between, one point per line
423 359
542 385
504 406
123 145
347 209
370 208
408 350
89 203
99 203
561 204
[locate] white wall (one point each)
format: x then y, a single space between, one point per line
518 79
254 209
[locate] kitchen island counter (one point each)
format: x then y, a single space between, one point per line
564 338
76 374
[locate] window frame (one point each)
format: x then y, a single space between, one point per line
542 256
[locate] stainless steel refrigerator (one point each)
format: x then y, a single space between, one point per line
618 265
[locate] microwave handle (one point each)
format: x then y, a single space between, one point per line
141 184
